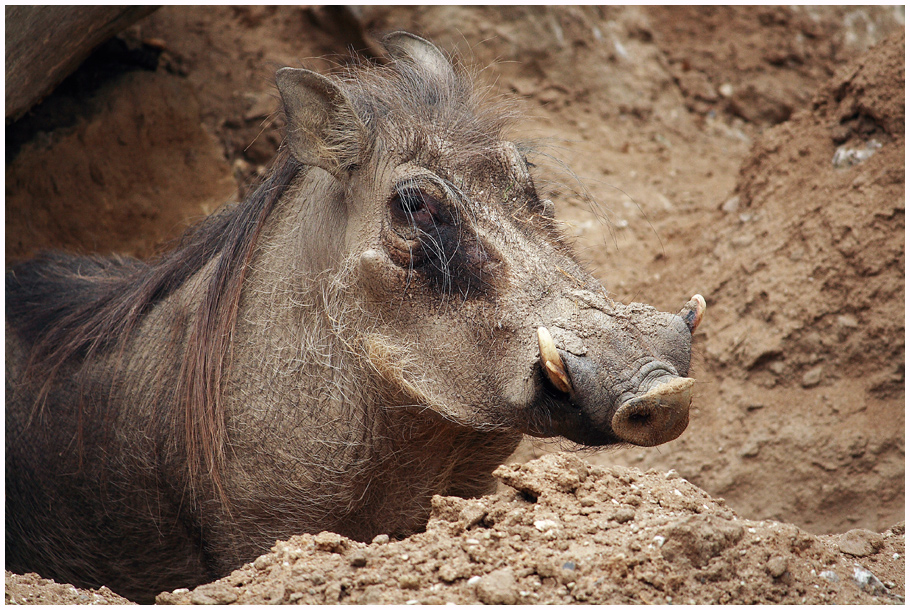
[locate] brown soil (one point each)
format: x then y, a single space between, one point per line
754 155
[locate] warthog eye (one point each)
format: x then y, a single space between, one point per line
417 208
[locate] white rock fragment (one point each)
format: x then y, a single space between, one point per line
866 580
847 157
545 525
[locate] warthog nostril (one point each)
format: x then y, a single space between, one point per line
658 416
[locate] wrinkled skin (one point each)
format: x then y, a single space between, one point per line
385 349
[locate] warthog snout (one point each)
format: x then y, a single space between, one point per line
645 404
658 417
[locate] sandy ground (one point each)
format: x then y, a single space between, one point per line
753 155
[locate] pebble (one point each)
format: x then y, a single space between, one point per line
860 543
545 525
330 542
498 587
624 515
731 205
867 581
472 514
777 566
812 377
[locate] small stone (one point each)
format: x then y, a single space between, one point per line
498 587
545 525
624 515
472 514
860 543
750 449
263 561
358 560
812 377
777 367
212 595
848 320
731 204
830 575
448 573
867 581
330 542
777 566
409 581
381 539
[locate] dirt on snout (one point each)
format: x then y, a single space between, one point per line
563 531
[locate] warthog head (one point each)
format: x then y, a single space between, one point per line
477 310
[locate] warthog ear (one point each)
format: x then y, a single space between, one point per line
323 128
403 45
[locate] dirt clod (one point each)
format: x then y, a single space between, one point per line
709 555
860 543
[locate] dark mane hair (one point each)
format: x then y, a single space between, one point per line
70 308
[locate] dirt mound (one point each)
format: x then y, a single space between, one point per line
803 358
32 589
566 532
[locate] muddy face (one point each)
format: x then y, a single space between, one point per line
458 264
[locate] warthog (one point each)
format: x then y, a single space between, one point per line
380 321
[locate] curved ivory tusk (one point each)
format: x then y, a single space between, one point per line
693 311
551 361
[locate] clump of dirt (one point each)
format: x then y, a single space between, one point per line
565 532
32 589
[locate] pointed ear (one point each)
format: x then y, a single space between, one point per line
403 45
323 128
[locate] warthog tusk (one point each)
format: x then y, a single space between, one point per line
551 362
693 311
699 310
